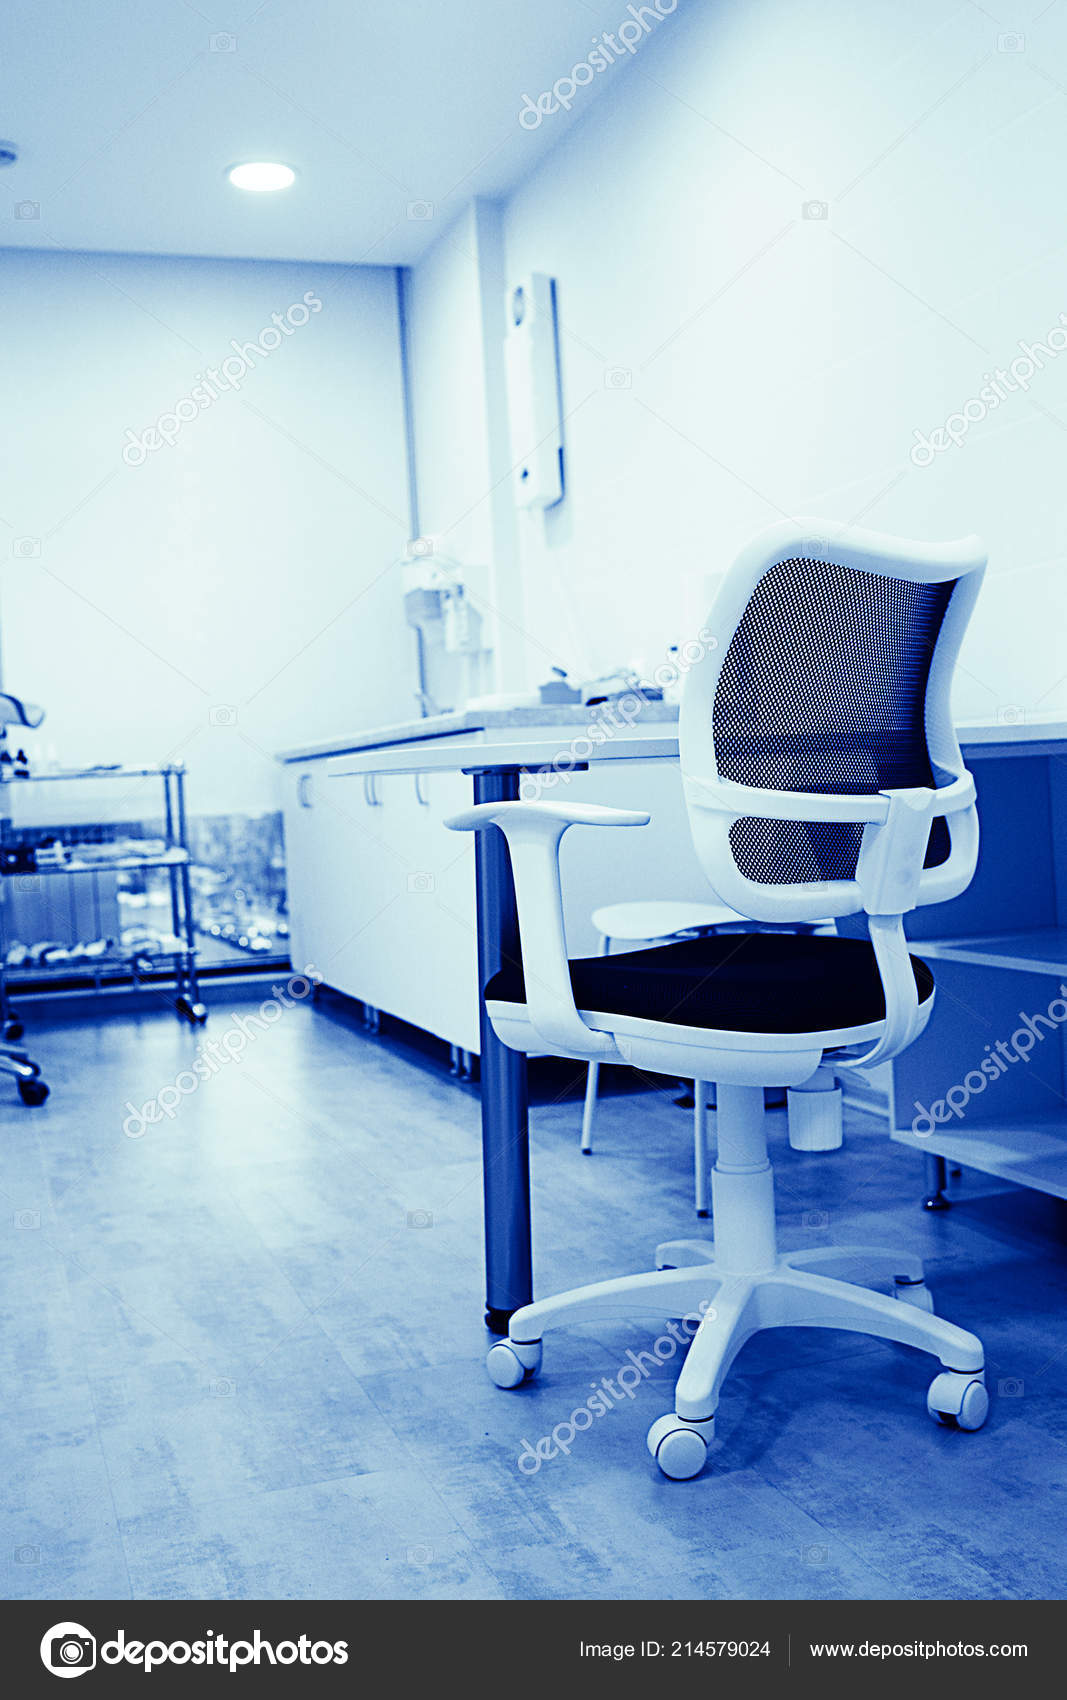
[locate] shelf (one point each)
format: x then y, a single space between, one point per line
113 964
118 864
165 954
1030 1153
1042 951
104 772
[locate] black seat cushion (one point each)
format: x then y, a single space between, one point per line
741 982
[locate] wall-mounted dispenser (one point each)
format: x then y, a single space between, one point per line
452 659
532 363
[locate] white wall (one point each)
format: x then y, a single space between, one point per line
245 568
777 364
781 364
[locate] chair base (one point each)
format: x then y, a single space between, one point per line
727 1291
720 1311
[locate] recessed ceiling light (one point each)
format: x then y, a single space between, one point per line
261 175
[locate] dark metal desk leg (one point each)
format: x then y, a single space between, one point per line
936 1178
505 1129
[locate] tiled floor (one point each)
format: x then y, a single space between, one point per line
242 1354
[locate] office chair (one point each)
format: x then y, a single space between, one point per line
822 777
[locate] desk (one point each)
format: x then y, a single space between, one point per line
495 763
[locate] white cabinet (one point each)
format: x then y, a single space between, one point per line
382 894
414 950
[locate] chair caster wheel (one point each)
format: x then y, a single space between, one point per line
13 1028
679 1448
32 1091
194 1013
915 1293
958 1399
510 1362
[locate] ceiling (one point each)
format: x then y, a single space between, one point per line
126 114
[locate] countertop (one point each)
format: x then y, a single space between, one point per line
547 720
1036 729
548 717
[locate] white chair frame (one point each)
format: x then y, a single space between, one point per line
742 1283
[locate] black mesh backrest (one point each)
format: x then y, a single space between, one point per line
824 689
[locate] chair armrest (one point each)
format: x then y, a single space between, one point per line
889 870
890 861
904 1018
509 816
533 832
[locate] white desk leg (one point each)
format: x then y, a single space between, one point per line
589 1107
700 1145
591 1081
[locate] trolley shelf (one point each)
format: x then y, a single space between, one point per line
113 864
120 961
103 772
174 859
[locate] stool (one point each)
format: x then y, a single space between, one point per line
660 922
814 1121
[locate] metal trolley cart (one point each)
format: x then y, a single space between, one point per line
27 1074
106 961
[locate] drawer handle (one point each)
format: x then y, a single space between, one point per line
425 801
370 790
304 794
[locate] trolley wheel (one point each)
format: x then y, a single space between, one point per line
13 1028
195 1013
32 1091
